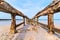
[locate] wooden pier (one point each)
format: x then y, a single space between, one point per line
7 8
50 10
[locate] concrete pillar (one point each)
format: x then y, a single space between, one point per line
13 24
50 23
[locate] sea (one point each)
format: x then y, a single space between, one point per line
4 23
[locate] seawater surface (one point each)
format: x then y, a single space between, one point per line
8 22
56 22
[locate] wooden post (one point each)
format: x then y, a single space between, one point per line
27 21
37 20
13 24
24 20
50 23
34 19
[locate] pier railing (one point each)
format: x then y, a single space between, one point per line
50 10
7 8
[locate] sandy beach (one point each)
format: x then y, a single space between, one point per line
27 32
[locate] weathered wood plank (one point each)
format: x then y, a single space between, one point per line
6 7
46 27
19 24
52 7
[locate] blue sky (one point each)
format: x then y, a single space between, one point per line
29 8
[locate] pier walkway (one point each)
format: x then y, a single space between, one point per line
31 32
33 24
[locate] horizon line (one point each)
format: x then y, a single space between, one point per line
39 19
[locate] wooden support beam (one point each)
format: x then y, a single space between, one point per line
27 21
36 20
13 24
50 23
24 20
19 24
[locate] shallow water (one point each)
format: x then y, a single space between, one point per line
8 22
56 22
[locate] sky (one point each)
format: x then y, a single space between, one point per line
29 8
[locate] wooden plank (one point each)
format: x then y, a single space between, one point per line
11 10
53 6
19 24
